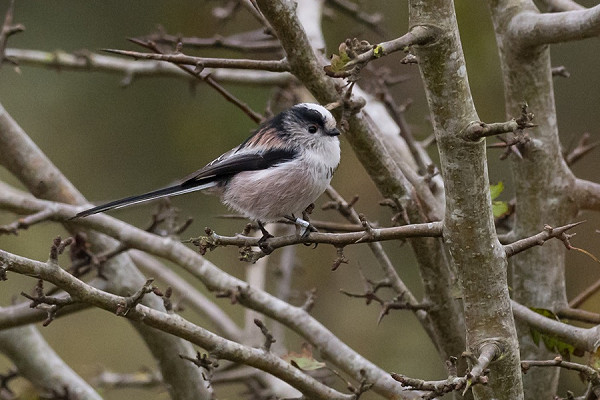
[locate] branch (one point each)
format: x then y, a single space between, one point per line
587 195
562 5
477 375
585 294
574 314
255 41
29 164
539 239
173 324
355 55
8 29
590 374
218 281
203 62
188 295
373 21
87 61
535 29
197 73
37 362
585 339
431 229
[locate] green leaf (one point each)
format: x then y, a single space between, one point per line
552 342
495 190
499 208
303 360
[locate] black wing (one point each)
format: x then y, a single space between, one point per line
232 163
222 168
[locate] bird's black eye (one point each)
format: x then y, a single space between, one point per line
312 128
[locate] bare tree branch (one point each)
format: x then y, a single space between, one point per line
539 239
216 280
173 324
30 165
587 195
534 29
585 339
203 62
87 61
562 5
38 362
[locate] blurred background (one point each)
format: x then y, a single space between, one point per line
113 141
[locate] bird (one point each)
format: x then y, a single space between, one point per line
277 172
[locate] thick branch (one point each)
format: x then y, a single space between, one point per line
38 362
587 195
30 165
534 29
585 339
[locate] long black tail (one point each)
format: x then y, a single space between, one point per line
156 194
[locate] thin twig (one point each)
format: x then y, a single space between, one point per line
373 21
182 59
87 61
590 374
574 314
255 41
197 72
585 294
8 29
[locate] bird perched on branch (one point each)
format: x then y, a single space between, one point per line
281 169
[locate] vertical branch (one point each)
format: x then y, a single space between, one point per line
481 263
542 181
371 148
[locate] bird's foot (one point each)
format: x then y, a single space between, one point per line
262 242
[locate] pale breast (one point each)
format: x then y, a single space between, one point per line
270 194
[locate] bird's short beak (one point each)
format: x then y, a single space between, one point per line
333 132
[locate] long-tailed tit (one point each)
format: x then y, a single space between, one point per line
282 168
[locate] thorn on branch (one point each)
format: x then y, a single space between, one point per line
269 339
131 301
539 239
